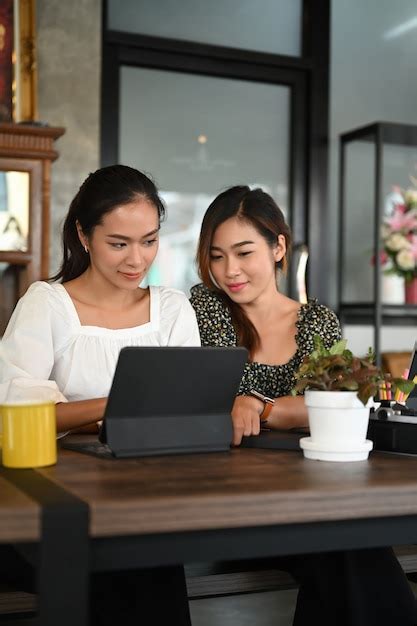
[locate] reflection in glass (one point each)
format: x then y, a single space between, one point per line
14 210
198 135
358 233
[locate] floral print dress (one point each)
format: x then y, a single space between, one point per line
216 329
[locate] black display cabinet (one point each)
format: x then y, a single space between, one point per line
373 158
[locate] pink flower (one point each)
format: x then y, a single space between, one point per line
402 221
413 248
383 258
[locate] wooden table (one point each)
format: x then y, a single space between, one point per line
165 510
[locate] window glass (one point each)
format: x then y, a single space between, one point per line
373 60
266 25
198 135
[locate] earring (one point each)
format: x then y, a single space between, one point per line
86 249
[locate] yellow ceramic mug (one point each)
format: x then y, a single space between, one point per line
29 434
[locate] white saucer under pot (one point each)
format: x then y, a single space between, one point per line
321 452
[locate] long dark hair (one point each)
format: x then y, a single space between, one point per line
261 211
101 192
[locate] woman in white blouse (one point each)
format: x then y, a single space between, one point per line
64 338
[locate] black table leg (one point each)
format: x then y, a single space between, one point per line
62 557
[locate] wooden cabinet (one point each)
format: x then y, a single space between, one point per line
26 153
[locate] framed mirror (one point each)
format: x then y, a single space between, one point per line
26 153
14 210
21 214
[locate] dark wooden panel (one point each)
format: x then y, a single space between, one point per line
238 583
15 601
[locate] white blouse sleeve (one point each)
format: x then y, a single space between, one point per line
27 350
179 318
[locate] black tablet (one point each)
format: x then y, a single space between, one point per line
168 400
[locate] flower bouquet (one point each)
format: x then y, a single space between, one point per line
399 239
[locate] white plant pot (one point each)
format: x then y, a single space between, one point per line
392 289
338 425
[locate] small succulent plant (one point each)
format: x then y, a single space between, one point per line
337 369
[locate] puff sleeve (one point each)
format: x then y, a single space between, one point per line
27 350
178 321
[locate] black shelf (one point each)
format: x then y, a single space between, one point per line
390 132
391 314
374 313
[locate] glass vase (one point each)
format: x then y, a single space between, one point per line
392 288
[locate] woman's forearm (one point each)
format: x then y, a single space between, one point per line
70 415
288 412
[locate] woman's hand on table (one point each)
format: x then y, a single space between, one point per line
288 412
245 417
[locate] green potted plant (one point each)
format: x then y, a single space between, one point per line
339 388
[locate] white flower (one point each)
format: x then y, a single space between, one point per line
410 196
405 260
385 231
396 241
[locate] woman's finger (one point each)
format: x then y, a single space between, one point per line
256 425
